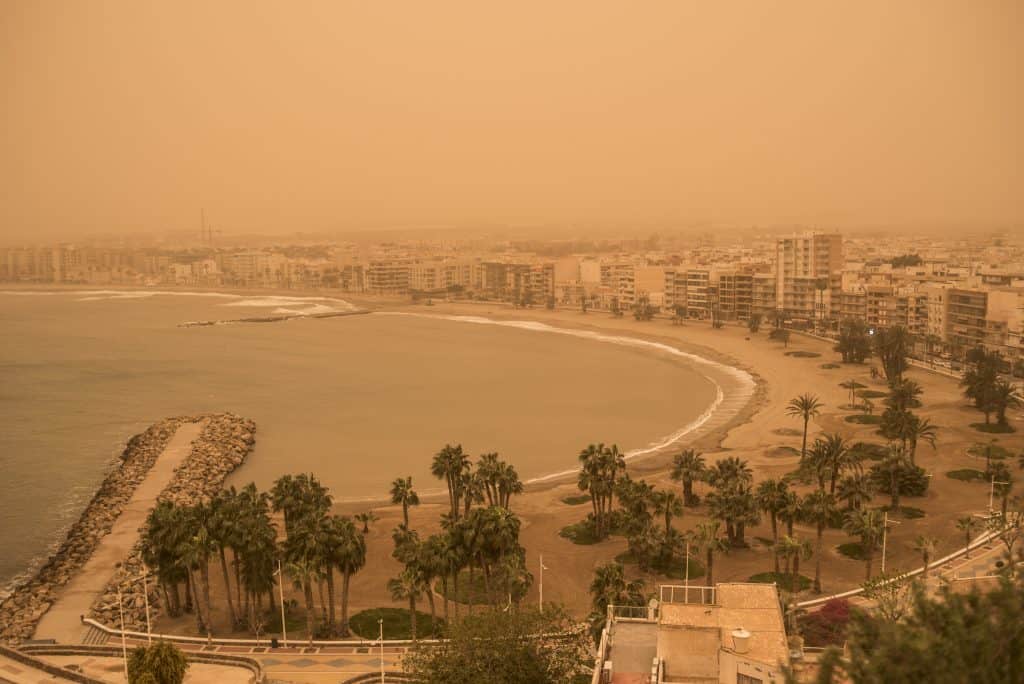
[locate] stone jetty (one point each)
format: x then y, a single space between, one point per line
223 444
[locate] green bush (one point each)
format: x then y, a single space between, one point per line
576 500
864 419
852 550
803 354
870 451
966 475
993 428
396 624
673 568
912 480
871 394
782 579
829 366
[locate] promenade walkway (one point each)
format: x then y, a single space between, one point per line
62 622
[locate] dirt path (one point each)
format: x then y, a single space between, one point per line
63 621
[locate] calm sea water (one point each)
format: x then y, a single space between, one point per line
356 400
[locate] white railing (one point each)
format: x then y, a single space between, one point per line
677 593
981 540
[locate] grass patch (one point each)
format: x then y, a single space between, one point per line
784 580
852 384
787 432
296 621
870 450
852 550
396 624
829 366
782 451
576 500
871 394
967 475
673 568
993 428
803 354
864 419
583 533
908 512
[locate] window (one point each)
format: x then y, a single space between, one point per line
747 679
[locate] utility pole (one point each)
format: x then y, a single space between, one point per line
145 596
885 534
380 624
992 492
540 601
124 642
280 594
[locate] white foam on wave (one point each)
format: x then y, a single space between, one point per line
311 304
306 311
745 380
327 303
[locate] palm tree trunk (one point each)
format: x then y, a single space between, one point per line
817 560
869 557
330 600
204 572
803 446
307 590
197 603
487 583
188 591
433 610
775 543
227 588
345 577
238 577
472 587
455 592
444 592
412 614
323 603
711 567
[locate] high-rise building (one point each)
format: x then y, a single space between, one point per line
808 274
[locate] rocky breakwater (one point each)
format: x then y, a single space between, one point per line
22 609
223 444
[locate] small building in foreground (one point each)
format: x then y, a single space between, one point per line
732 633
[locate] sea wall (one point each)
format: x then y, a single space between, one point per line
225 441
21 611
223 444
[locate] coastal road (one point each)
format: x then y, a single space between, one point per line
62 621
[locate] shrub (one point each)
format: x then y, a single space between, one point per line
827 626
966 475
864 419
912 480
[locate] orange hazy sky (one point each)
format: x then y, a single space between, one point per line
285 116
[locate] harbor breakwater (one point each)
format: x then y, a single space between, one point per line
223 444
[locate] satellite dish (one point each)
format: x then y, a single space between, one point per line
653 604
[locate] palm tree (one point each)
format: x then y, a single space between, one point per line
366 518
224 531
855 490
198 547
407 586
600 467
728 472
688 467
893 465
791 511
499 479
805 406
793 549
709 540
819 509
668 504
162 544
904 395
865 523
449 464
1004 395
347 552
771 498
966 524
926 546
915 430
610 587
403 493
305 568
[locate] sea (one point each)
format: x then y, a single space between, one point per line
357 400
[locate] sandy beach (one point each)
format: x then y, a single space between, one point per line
760 433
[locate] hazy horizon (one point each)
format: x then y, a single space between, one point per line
130 116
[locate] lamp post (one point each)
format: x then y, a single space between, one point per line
280 594
686 576
145 597
380 624
992 492
885 534
540 600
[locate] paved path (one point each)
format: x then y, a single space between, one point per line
63 621
17 672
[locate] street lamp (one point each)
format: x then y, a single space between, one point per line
380 624
540 601
280 594
885 534
991 493
124 643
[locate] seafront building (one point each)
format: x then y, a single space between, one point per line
953 296
732 633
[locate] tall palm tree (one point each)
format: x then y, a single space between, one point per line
600 467
967 525
893 465
771 497
304 571
793 549
224 530
867 524
407 586
688 467
925 546
403 493
668 504
805 407
791 511
198 548
855 490
450 464
348 554
709 540
819 509
904 396
1004 396
917 429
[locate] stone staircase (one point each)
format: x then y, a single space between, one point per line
94 637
